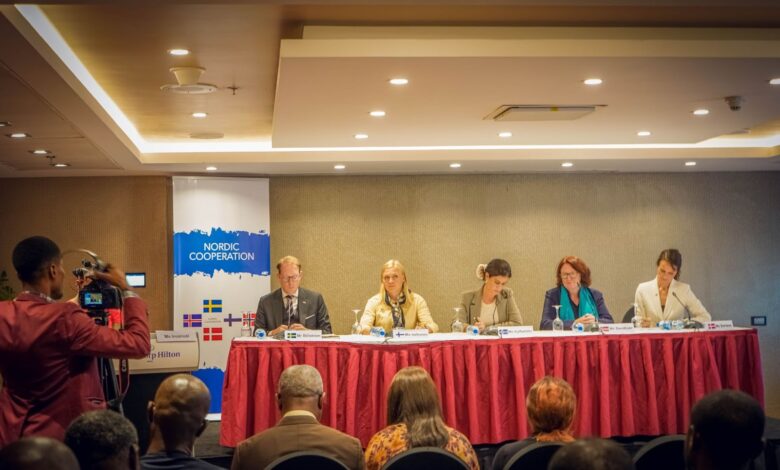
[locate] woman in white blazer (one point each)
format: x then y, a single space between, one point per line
666 298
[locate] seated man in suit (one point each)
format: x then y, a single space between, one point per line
291 306
177 416
727 431
300 399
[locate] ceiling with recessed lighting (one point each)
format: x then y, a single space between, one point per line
305 88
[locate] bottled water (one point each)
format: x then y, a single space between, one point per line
260 333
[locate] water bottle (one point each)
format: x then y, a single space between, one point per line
472 330
665 325
678 324
246 331
378 331
260 333
577 327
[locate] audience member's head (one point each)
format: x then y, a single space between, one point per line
103 439
551 403
727 429
38 262
178 413
414 401
591 454
33 453
300 388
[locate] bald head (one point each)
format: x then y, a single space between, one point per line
179 409
33 453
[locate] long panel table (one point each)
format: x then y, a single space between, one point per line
626 384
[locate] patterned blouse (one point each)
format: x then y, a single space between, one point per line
391 441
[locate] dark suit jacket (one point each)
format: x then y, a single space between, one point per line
47 360
311 310
553 297
294 434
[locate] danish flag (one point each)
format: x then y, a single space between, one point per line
212 334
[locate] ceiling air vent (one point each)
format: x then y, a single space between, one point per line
536 112
187 78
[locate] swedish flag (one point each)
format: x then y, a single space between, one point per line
212 305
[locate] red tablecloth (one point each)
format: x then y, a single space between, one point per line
625 384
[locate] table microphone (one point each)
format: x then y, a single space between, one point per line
689 322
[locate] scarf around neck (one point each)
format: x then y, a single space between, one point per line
587 304
397 309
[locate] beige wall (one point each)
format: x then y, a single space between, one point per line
726 225
125 220
441 227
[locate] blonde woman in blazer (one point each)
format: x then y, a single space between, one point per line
666 298
395 306
492 304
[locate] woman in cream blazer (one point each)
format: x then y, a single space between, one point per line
666 298
395 306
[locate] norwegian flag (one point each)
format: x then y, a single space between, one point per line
212 334
248 316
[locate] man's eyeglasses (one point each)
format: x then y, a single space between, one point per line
291 278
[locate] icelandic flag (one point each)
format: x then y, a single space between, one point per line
194 320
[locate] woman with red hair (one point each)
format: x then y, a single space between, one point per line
579 303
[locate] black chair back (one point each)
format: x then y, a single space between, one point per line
425 458
628 316
306 459
534 457
666 452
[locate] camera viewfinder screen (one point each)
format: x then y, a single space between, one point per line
93 298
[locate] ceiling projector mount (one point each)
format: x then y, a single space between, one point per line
188 82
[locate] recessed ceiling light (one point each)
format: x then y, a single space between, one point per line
5 124
399 81
18 135
339 167
775 81
378 113
199 114
361 136
593 81
61 165
701 112
690 163
178 52
455 165
40 152
505 134
567 164
643 133
211 168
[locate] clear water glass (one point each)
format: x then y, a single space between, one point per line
356 326
637 320
457 326
557 324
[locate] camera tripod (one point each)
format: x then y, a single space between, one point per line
106 371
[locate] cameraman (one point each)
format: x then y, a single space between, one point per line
48 349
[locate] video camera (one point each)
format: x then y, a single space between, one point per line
96 296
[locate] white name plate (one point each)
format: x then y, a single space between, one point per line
297 335
164 336
719 325
413 333
608 327
514 331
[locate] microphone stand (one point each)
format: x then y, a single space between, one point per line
688 323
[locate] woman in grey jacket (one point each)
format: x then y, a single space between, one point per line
492 304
